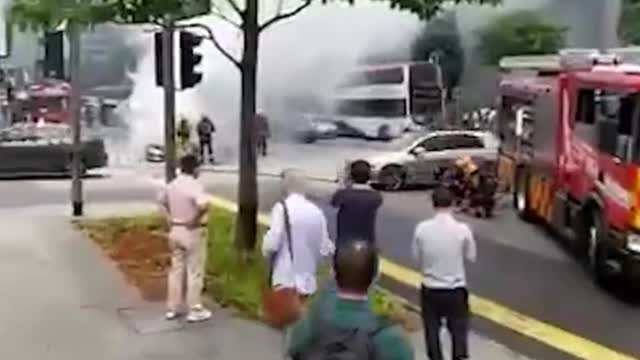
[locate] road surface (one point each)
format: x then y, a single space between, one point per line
520 266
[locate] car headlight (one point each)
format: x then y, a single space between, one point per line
633 242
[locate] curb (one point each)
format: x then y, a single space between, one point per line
271 174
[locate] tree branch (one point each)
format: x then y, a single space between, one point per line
215 10
285 15
211 36
236 8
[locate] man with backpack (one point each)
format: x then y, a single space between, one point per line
341 325
205 130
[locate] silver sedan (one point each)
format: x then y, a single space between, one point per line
419 163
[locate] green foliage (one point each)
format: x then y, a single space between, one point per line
47 14
427 9
232 281
629 25
238 283
520 33
440 36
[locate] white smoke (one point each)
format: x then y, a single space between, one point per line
302 56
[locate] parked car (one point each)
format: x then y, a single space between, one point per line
30 149
156 153
316 127
419 163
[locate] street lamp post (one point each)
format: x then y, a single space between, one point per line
73 33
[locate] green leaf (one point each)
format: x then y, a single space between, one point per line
520 33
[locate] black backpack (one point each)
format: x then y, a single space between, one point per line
205 127
335 343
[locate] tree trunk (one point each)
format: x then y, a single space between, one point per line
246 224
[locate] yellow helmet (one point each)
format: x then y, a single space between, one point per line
464 161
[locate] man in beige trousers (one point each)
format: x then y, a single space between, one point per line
185 203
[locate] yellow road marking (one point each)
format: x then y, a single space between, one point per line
540 331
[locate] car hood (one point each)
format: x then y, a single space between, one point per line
397 157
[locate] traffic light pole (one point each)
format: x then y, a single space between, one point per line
168 81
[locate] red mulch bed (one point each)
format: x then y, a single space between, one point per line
144 258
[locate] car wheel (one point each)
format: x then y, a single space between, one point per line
392 178
521 196
69 167
597 254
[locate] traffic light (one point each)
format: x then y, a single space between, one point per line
189 59
158 53
54 55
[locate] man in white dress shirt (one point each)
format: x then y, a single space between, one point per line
441 245
309 238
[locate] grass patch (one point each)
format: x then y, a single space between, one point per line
232 282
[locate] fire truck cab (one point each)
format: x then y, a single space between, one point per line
47 100
570 152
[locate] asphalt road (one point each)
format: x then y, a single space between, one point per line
519 265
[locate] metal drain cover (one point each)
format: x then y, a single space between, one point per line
149 320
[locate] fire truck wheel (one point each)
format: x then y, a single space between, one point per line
596 250
392 178
520 196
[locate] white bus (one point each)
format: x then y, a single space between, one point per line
383 101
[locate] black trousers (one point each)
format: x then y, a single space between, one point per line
205 142
261 145
451 305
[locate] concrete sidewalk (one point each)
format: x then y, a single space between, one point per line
62 299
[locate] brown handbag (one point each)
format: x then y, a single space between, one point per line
281 306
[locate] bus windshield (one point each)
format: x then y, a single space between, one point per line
387 76
373 108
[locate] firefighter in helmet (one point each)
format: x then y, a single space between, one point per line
183 133
261 132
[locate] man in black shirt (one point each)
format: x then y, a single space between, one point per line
357 206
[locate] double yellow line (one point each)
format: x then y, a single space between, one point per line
542 332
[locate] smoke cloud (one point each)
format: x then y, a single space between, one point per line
300 61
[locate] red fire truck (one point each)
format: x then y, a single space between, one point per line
570 152
47 100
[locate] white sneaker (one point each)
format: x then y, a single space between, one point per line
171 315
199 314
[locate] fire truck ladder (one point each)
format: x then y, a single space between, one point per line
572 60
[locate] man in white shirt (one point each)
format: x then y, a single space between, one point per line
309 238
441 245
185 203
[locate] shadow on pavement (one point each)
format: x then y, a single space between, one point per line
21 177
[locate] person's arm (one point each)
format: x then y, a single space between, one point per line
379 199
327 247
336 199
470 251
415 245
272 239
163 201
202 201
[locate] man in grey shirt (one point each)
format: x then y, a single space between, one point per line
441 245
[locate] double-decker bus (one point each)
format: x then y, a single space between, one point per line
383 101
